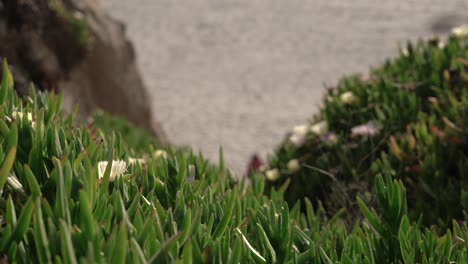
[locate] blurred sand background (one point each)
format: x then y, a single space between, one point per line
240 74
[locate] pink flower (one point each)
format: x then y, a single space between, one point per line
330 138
369 129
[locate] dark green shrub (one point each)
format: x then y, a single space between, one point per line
135 138
409 119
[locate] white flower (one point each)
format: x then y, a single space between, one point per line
441 44
293 166
366 130
19 115
347 98
297 140
13 182
136 161
319 128
299 135
300 130
460 31
160 153
272 175
16 114
405 52
118 169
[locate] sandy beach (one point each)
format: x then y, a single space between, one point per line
240 74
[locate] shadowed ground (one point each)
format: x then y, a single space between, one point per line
241 73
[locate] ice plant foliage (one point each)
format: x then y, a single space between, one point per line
407 117
183 209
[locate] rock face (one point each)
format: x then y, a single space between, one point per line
73 46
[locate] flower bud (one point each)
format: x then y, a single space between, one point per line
319 128
293 166
272 175
347 98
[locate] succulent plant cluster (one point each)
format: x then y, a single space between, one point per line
71 193
408 119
